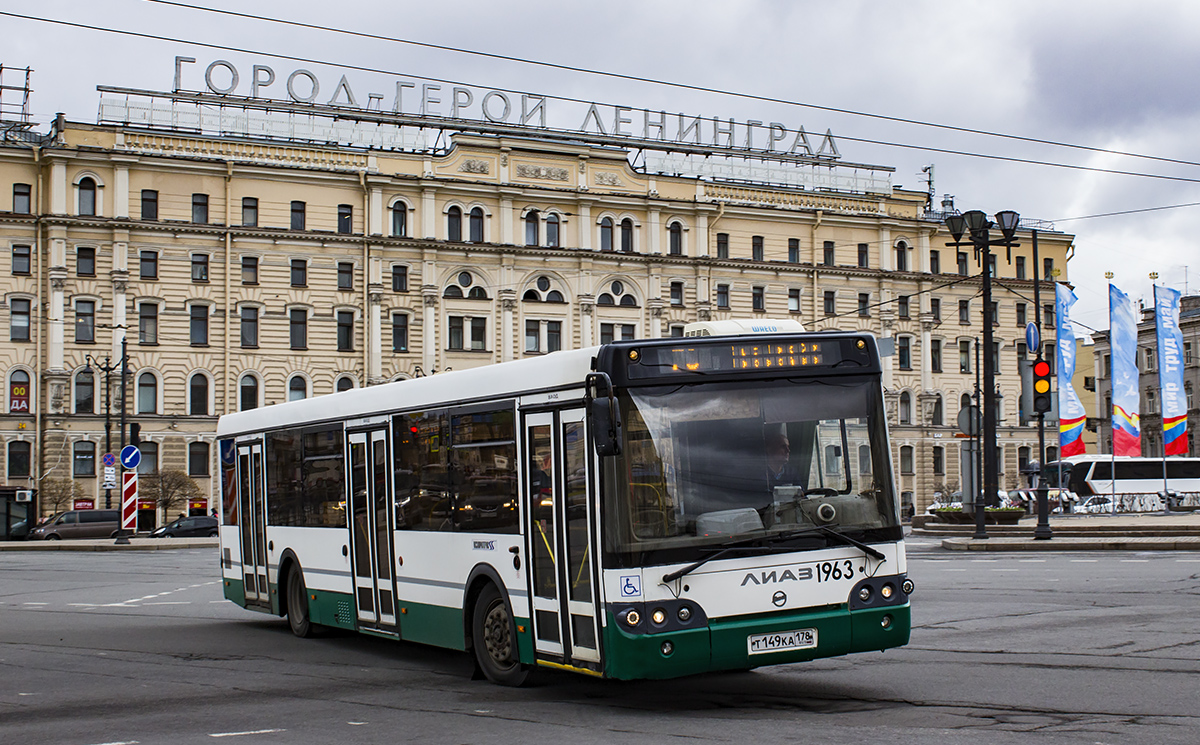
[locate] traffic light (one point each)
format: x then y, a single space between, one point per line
1043 401
135 434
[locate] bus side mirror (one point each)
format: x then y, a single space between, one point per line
606 418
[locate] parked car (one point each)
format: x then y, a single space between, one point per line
79 524
187 527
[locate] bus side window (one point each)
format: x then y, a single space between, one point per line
423 498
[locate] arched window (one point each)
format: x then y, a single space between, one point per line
554 296
629 300
531 228
477 225
19 394
939 415
531 296
477 293
965 401
248 393
297 388
344 384
605 299
627 235
400 219
87 196
453 291
85 392
552 224
454 224
147 394
675 234
906 408
606 234
198 395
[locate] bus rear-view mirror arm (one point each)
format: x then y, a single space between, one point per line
605 416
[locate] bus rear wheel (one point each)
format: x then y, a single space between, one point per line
297 604
495 640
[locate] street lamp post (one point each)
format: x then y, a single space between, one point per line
975 225
108 367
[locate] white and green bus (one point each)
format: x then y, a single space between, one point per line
643 509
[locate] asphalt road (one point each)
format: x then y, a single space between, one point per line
1047 648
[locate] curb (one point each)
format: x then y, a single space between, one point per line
107 544
1073 544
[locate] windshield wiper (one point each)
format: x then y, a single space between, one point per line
736 544
873 553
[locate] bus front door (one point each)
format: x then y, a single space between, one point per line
252 507
371 529
561 529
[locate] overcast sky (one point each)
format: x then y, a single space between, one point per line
1111 75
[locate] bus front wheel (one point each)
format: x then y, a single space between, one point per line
297 604
495 640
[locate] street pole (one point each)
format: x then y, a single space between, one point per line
977 497
107 428
1042 531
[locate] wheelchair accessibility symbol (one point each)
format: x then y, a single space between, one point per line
631 586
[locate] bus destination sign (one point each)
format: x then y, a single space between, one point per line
747 356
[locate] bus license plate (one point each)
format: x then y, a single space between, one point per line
782 641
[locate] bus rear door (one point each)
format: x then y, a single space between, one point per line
252 508
371 524
561 528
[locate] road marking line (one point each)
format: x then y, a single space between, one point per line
170 602
1187 561
1006 570
1135 561
123 742
954 570
1051 579
35 604
984 561
1032 561
1084 561
251 732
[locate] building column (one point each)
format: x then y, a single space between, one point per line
58 188
586 311
926 361
507 305
506 221
699 247
375 334
429 221
120 190
585 225
654 244
429 335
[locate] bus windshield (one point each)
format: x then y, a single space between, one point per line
701 463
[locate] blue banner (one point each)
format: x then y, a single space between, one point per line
1126 426
1170 370
1071 414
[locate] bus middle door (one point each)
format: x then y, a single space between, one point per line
371 524
252 509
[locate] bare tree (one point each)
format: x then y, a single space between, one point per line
58 494
170 490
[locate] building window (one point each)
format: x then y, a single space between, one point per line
553 336
606 333
198 395
249 270
1047 268
552 224
149 464
939 415
864 256
676 293
793 250
676 332
628 332
722 245
794 300
198 334
935 355
964 356
147 393
18 392
454 224
455 337
532 226
477 225
1020 267
864 459
994 313
939 459
1021 322
830 302
904 352
198 459
627 236
935 309
18 319
1187 391
758 302
722 296
1187 354
87 196
19 459
399 278
1048 315
962 263
864 304
675 238
148 265
400 219
399 332
22 202
249 327
299 273
533 336
248 393
298 328
85 321
992 264
906 408
345 330
479 334
606 234
756 248
902 306
345 219
827 254
85 392
149 204
964 312
344 384
85 261
935 261
906 459
199 267
298 210
200 208
147 323
22 260
345 277
902 257
249 212
84 459
297 388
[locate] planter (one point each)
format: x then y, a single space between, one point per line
994 516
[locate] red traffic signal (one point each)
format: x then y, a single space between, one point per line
1042 401
1041 369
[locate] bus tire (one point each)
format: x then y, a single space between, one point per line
297 604
494 639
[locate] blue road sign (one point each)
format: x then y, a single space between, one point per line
110 460
131 456
227 452
1032 340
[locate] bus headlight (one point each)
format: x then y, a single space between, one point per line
887 591
633 618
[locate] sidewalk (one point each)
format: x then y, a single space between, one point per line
1125 532
136 543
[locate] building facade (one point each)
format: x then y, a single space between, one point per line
244 273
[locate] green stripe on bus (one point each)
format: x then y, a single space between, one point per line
432 624
334 609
